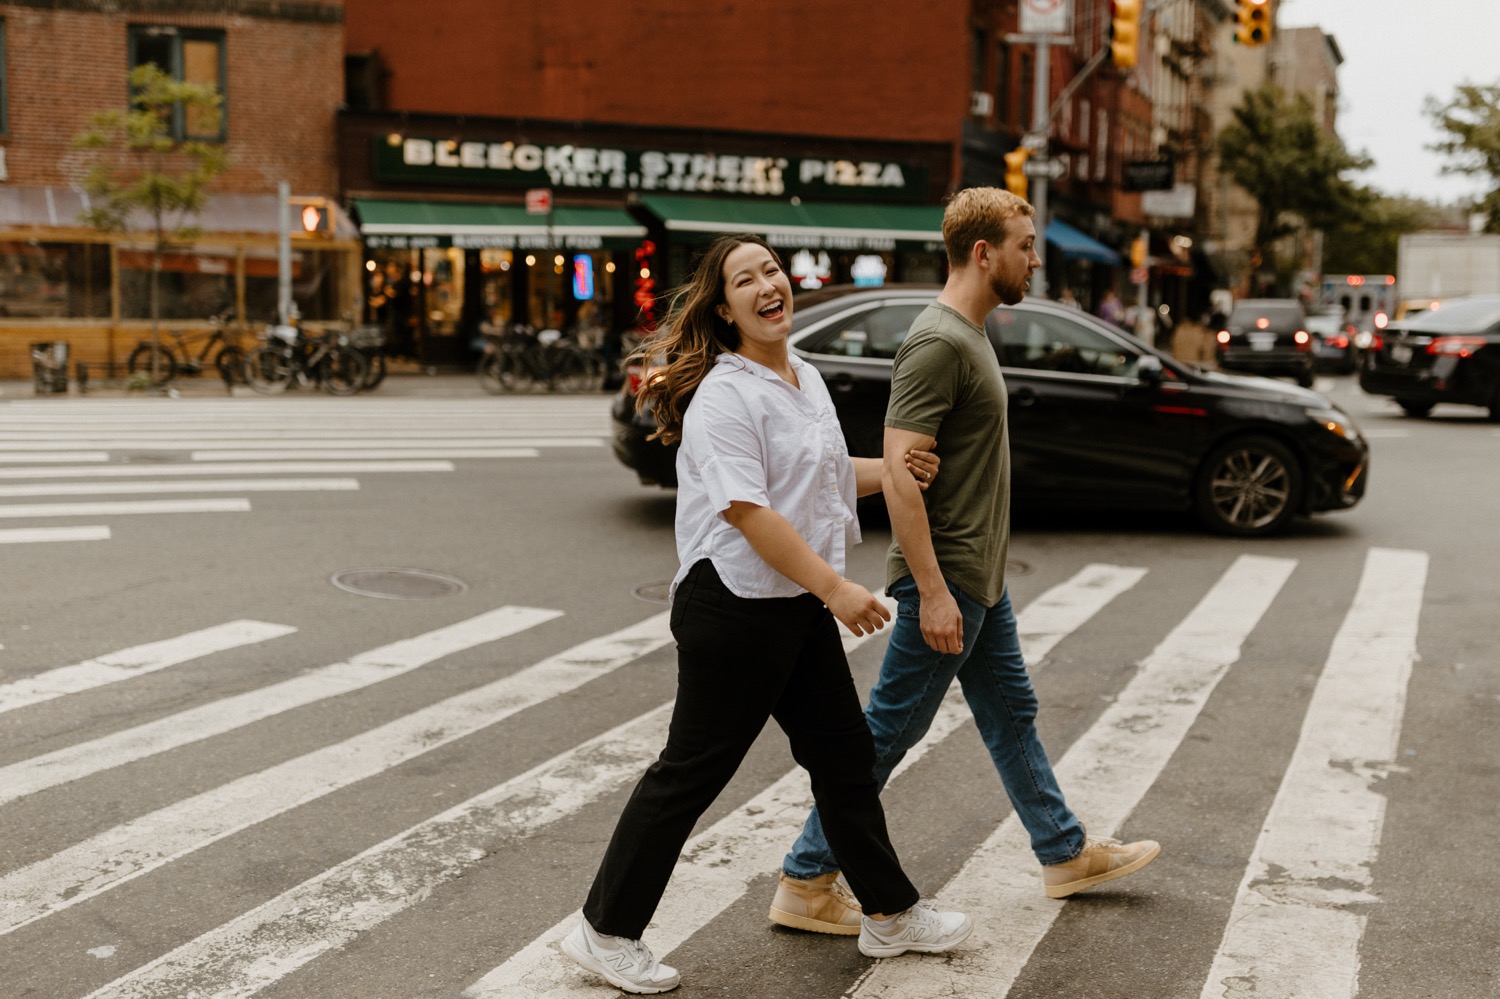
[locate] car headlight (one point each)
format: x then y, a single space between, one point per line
1335 422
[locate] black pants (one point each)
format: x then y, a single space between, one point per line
740 662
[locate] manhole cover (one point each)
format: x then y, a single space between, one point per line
1015 567
654 593
398 584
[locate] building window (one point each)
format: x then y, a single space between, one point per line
190 55
980 45
1002 83
4 95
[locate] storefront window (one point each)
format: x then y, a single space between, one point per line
315 285
54 280
194 285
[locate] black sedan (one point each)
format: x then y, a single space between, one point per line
1448 354
1268 336
1097 418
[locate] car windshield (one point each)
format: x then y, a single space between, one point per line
1459 317
1279 313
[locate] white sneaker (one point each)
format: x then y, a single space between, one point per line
920 928
625 964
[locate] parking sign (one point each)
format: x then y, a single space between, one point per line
1046 17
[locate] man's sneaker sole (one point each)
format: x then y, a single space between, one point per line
1073 887
587 961
782 918
936 947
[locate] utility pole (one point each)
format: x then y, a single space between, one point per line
1044 23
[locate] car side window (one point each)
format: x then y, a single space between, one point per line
875 333
1046 343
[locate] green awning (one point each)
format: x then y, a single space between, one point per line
824 225
413 224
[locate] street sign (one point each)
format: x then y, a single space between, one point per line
1052 168
538 201
1146 175
1046 17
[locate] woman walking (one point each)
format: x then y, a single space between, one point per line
765 516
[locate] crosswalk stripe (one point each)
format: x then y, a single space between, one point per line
118 748
226 468
136 661
144 844
41 535
1104 775
18 511
200 486
50 457
1298 917
720 863
215 437
351 453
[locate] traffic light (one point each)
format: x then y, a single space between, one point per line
313 215
1124 32
1015 171
1254 17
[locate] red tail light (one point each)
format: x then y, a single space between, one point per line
1456 346
634 376
1223 338
1302 340
1377 342
1338 341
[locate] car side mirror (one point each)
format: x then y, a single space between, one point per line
1148 369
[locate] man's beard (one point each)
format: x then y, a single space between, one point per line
1009 294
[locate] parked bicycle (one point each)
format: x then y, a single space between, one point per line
191 354
521 359
288 354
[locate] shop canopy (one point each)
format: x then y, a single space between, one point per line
824 225
1072 243
418 224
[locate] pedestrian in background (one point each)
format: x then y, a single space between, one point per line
946 569
1111 309
765 515
1193 343
1068 299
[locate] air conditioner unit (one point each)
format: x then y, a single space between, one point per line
981 104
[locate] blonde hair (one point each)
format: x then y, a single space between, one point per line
977 213
690 339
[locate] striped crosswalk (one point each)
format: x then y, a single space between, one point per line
131 447
1294 928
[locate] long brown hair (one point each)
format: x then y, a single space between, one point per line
690 339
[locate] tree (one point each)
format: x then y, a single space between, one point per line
139 166
1364 240
1472 122
1277 150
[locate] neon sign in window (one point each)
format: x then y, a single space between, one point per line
583 277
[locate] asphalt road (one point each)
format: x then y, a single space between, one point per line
407 797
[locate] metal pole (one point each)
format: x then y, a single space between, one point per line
284 254
1040 128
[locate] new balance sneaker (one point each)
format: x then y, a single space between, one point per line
625 964
819 905
920 928
1103 859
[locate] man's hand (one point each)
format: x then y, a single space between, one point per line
942 624
857 608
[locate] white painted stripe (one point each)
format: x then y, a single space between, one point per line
340 455
119 435
275 440
30 535
1104 775
45 457
718 864
1300 913
118 748
128 851
200 486
230 468
1385 434
28 510
136 661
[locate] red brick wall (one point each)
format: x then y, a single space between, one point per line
845 68
284 83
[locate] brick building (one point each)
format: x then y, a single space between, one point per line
279 68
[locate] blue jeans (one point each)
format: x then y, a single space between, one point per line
913 680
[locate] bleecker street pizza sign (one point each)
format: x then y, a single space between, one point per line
1046 17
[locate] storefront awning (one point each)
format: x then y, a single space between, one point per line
824 225
415 224
61 207
1072 243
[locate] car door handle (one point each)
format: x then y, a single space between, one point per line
841 383
1023 396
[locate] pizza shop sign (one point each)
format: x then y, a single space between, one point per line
517 164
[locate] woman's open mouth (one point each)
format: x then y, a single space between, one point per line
773 311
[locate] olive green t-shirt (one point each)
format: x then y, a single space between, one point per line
946 382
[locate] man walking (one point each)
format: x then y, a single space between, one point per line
946 569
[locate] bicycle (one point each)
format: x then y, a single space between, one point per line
521 359
287 354
229 361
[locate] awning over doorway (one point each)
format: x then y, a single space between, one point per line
418 224
823 225
60 207
1081 246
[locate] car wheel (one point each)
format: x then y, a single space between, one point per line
1249 487
1416 409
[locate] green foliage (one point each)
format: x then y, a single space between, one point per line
1277 150
1472 123
1364 240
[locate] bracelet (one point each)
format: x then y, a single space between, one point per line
829 599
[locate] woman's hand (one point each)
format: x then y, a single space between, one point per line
923 466
857 608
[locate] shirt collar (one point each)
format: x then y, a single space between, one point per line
732 359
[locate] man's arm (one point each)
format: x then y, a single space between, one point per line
942 625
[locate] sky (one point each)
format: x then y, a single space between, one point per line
1396 54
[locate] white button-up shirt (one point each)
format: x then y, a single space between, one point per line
750 435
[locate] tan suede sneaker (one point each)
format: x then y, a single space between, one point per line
819 905
1103 859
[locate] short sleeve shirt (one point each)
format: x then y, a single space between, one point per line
750 435
946 382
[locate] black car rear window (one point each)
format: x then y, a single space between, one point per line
1473 316
1245 314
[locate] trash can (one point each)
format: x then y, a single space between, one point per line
49 367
